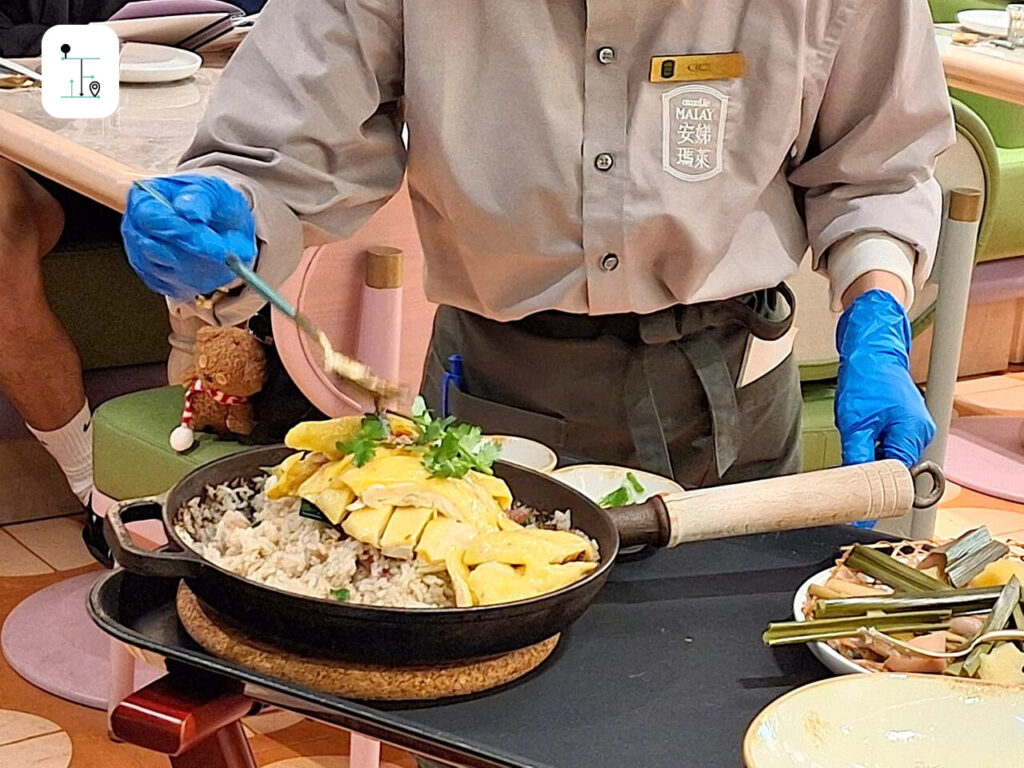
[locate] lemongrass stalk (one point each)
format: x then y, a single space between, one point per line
791 632
958 601
890 571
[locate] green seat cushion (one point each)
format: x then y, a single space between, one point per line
945 11
111 317
1003 229
132 453
822 447
133 457
1004 120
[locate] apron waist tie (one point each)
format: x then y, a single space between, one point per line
709 364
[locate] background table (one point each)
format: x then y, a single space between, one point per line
150 130
666 669
985 69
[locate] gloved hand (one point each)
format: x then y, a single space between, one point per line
181 253
879 409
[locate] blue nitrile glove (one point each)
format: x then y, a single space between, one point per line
879 409
181 253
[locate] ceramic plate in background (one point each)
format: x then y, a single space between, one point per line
985 22
148 63
824 652
525 453
595 481
890 721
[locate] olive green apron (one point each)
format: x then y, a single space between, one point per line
657 392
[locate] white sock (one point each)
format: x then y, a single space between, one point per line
71 446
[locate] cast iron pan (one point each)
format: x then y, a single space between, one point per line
406 637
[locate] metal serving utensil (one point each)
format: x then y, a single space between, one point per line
345 367
871 633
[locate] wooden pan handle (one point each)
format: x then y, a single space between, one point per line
874 491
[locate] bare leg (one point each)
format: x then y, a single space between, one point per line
40 371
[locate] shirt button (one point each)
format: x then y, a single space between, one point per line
609 262
604 162
606 55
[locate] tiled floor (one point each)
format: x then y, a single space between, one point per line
40 731
991 395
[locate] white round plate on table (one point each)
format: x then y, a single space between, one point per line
825 653
890 721
595 481
149 63
524 453
995 23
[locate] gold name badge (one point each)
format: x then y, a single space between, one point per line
686 69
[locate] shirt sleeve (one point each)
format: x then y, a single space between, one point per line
865 252
306 123
883 118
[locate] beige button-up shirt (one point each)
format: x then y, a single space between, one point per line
547 171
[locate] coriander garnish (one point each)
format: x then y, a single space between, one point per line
373 430
341 595
626 494
452 449
449 449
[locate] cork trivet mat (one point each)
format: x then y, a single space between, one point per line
355 681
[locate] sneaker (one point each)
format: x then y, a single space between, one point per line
92 535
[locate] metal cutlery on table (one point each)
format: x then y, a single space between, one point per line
345 367
871 633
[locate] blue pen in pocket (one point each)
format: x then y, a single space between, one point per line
453 375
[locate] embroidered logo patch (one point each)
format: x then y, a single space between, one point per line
694 131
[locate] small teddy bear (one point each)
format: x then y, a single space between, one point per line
230 367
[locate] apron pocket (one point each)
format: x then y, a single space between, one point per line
500 419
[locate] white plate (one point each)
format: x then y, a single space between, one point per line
525 453
595 481
890 721
825 653
985 22
148 63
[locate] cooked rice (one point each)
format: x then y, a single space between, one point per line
235 526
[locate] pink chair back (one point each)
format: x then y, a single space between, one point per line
328 285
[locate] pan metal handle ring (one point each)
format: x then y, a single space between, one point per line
938 484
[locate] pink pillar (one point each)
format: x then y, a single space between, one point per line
363 752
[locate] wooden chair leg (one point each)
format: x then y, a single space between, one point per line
227 748
194 719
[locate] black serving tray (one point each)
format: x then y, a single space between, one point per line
665 670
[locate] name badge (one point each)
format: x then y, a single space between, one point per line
704 66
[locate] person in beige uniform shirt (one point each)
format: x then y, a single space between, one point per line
610 197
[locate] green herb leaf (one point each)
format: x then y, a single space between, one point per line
617 498
624 495
341 595
452 449
372 431
419 408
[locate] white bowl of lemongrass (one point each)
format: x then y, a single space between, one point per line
925 596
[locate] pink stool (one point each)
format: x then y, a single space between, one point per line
985 454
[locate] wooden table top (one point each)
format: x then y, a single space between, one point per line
152 127
982 68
